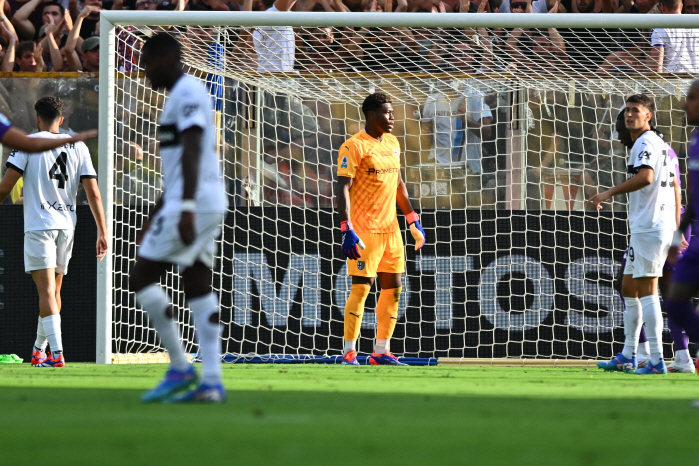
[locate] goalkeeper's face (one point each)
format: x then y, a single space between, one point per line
382 119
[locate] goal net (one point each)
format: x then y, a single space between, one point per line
506 125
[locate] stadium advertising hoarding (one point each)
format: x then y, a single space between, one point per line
488 284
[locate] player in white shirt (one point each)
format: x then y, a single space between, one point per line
184 225
51 180
654 214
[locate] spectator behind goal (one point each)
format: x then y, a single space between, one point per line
674 50
275 46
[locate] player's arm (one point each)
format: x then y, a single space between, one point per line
8 182
679 242
411 216
191 153
19 140
640 180
350 241
349 159
95 200
678 203
344 184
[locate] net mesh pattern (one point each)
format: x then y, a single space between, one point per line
504 134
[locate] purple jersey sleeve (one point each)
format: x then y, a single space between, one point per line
5 126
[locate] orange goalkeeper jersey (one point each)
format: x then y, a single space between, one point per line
375 167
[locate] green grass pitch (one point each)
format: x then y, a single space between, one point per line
336 415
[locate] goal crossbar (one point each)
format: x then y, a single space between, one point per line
425 20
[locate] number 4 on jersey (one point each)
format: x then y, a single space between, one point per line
59 171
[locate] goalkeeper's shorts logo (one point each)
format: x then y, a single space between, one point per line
360 265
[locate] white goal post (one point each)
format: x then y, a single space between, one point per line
515 267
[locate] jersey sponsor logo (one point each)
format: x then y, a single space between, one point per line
382 171
344 162
190 109
57 206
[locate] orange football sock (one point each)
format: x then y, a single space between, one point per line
354 311
387 312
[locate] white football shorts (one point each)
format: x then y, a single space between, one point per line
647 253
162 242
48 249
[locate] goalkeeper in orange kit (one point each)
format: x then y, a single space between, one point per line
369 187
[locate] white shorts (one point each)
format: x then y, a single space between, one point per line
647 254
48 249
162 242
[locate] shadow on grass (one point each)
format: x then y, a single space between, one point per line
110 426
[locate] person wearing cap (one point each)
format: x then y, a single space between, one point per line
89 47
91 54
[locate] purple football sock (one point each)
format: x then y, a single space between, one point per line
642 336
679 338
683 315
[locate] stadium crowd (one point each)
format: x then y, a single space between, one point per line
466 156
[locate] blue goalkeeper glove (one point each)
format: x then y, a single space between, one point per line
416 230
351 244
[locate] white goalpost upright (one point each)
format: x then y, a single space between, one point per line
506 125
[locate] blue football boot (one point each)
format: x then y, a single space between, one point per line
659 368
619 363
175 381
201 394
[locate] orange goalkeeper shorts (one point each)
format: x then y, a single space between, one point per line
384 253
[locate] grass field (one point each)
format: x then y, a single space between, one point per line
332 415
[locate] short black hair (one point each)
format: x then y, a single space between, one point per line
671 4
374 102
23 47
49 108
54 3
161 44
645 100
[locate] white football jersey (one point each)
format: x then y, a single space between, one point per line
653 207
51 180
188 105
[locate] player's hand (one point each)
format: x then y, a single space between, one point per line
351 244
684 244
186 227
416 230
597 200
82 136
102 247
